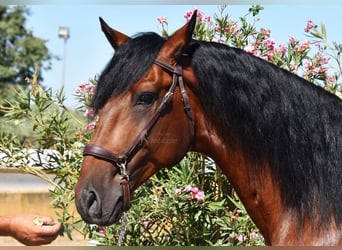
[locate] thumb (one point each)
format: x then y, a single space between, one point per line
47 220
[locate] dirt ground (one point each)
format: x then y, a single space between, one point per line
60 241
26 194
34 202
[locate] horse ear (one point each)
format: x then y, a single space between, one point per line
114 37
177 44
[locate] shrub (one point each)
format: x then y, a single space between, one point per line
190 204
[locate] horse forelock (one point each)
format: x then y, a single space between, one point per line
129 63
296 124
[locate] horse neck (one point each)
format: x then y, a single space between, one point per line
254 184
257 190
253 192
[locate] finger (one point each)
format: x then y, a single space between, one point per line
46 220
51 230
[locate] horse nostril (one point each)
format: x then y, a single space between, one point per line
93 204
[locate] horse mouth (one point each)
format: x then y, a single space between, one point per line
113 218
105 219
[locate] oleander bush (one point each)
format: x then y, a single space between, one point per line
189 204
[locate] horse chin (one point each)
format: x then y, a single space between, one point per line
116 214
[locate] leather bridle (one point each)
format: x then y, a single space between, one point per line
122 160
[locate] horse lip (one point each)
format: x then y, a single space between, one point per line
113 218
116 214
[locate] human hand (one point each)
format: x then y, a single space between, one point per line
33 229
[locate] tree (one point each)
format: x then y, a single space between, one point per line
20 50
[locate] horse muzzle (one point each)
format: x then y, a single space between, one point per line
102 207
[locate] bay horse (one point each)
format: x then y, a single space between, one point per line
277 137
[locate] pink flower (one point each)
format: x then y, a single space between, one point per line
200 196
232 28
227 30
265 33
145 224
91 126
102 230
187 188
253 235
241 237
207 19
316 70
89 87
162 20
269 55
309 26
82 85
307 64
331 79
282 48
318 55
293 41
269 43
249 48
194 190
323 69
200 16
178 191
304 46
257 53
188 15
218 40
89 113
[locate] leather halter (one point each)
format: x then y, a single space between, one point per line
122 160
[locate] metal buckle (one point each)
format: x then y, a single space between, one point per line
123 173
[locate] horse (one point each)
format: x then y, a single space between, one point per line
276 137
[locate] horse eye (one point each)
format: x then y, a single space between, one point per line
145 98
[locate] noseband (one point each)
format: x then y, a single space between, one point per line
122 160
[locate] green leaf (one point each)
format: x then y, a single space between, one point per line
38 222
255 9
215 206
323 31
197 215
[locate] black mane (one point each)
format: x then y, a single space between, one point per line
295 124
274 113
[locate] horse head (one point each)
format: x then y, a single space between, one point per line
142 126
